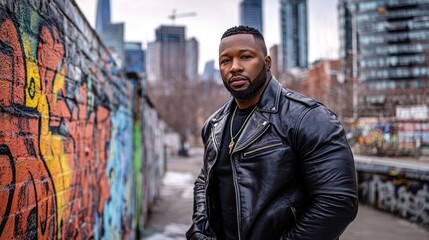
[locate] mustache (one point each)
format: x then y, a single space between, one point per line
238 75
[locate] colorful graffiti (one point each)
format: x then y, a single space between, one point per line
375 139
403 196
66 137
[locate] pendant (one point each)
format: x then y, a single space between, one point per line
231 146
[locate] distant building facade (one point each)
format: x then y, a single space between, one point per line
171 57
210 73
113 39
103 19
390 51
251 14
294 49
111 34
134 58
191 59
276 66
385 47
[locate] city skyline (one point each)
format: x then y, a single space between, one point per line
212 18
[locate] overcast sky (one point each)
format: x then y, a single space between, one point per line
213 17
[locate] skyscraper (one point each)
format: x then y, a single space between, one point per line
251 14
112 35
210 73
171 57
390 49
134 58
294 50
192 59
113 39
103 19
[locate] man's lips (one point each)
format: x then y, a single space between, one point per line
238 81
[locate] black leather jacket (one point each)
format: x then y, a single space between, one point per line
293 171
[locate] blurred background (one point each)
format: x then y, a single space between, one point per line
366 60
102 104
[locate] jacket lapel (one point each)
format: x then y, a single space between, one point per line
218 125
259 121
255 127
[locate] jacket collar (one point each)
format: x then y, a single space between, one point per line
269 101
270 98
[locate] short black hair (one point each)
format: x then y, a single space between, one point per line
241 29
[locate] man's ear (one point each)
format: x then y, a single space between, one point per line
268 63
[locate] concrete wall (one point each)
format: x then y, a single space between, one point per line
72 164
395 187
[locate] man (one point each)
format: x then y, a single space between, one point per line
277 164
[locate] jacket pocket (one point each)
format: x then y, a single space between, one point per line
263 149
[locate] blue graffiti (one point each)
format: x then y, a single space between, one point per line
119 209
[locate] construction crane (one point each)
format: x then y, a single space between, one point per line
175 15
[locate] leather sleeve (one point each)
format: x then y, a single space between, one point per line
200 228
327 168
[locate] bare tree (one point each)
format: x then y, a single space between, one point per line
185 105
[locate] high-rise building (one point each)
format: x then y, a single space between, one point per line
134 58
112 35
103 19
275 63
251 14
294 49
210 73
113 39
348 56
192 59
390 49
171 57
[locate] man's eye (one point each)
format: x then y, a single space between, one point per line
246 57
224 61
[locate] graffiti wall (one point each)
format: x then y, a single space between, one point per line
401 191
67 151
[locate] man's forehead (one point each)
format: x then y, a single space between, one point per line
240 39
239 36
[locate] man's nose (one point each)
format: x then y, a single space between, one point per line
236 66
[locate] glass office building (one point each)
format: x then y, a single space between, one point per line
134 58
392 52
251 14
294 49
102 20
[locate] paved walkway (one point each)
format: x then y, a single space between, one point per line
171 215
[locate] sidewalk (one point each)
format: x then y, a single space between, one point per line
171 215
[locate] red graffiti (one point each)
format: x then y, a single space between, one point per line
53 142
12 73
28 199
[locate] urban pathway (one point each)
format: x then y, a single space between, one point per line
171 216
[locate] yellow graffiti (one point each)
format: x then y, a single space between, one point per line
58 84
52 146
33 86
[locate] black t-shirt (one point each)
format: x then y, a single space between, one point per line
223 184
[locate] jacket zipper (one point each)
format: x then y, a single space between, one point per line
210 174
273 145
237 202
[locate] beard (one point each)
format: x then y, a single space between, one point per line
254 87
